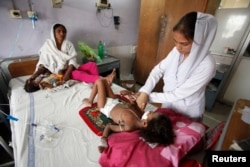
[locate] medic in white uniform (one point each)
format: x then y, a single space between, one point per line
186 70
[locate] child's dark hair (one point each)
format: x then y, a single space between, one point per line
31 87
159 130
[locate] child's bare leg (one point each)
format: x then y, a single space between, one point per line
98 88
110 78
102 88
108 90
102 91
89 101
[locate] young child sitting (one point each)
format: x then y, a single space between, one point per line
154 127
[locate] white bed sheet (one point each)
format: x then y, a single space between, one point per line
73 145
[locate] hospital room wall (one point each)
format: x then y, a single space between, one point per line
83 21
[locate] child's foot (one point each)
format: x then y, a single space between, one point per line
110 78
87 102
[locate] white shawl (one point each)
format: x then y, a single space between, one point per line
205 30
55 60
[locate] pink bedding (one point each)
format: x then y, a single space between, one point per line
127 149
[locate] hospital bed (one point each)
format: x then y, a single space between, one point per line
50 130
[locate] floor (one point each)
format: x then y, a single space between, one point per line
4 156
220 112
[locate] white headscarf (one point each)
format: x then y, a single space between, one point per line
205 30
52 58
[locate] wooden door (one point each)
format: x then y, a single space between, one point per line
157 19
148 37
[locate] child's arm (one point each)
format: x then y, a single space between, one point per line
109 128
40 70
107 131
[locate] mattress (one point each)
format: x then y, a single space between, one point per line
49 131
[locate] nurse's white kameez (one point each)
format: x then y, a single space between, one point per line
185 82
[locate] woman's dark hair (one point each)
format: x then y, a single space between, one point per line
159 130
59 25
186 25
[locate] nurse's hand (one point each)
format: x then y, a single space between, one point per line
142 100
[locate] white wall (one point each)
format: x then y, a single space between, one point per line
81 19
235 3
239 85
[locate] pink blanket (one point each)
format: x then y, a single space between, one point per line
127 149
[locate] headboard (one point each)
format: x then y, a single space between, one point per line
15 67
21 68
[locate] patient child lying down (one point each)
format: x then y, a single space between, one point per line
43 81
154 127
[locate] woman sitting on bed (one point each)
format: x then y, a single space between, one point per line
58 56
154 127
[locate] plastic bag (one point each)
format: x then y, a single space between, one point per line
88 52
